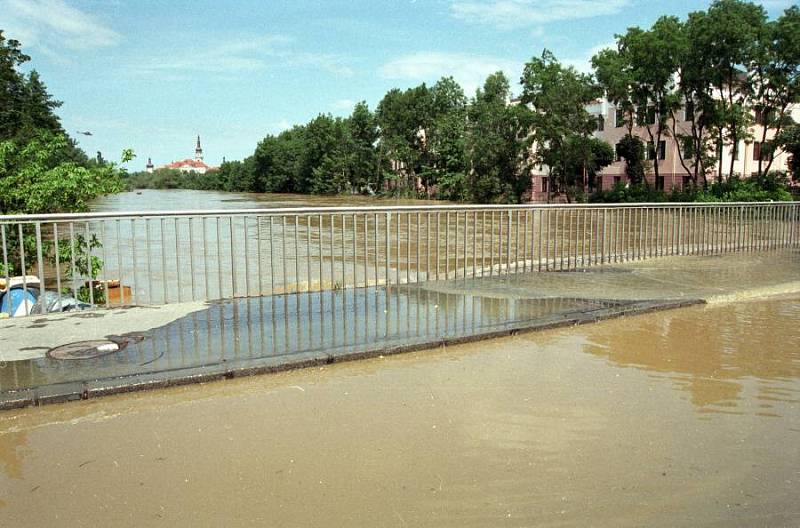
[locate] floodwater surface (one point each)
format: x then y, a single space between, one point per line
682 418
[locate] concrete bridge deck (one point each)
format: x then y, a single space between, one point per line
197 342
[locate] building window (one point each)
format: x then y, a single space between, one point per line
617 156
651 115
687 181
544 184
687 147
688 111
620 118
601 123
651 153
660 183
761 152
646 115
763 116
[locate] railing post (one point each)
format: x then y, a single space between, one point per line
508 244
388 227
603 239
40 263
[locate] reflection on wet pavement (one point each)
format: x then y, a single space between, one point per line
290 328
642 421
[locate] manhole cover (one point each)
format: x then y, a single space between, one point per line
85 349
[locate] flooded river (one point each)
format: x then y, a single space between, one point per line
185 200
176 259
682 418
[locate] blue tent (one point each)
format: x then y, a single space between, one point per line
13 303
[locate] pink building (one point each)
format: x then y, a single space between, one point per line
672 174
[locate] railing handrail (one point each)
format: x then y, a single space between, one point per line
275 211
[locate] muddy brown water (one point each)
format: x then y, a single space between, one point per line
682 418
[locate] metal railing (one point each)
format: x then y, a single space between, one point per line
177 256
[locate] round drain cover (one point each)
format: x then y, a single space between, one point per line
84 349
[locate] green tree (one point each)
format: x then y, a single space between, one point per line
33 181
613 71
403 117
26 107
12 87
654 56
639 78
728 36
775 79
562 127
588 157
444 163
788 140
631 148
324 136
366 172
496 147
695 149
276 161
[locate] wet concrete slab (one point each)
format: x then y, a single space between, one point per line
711 278
265 334
31 337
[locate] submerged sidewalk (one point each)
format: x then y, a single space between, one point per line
197 342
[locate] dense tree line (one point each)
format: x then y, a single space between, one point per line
720 69
41 168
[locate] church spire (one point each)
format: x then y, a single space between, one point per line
198 151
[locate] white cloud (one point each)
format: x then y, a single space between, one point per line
51 25
583 63
468 70
279 126
241 56
325 61
343 105
513 14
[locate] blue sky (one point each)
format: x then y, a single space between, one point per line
152 74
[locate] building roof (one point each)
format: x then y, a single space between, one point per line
196 164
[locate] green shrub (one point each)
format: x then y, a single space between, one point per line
773 187
622 193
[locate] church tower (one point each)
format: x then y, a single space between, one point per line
198 151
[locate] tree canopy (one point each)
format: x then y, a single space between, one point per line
41 168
